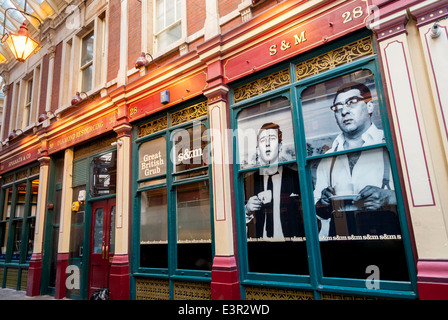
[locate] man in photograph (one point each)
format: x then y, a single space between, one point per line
365 175
273 209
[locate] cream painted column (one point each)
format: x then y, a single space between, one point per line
430 44
51 56
123 189
41 204
119 280
64 226
35 265
225 283
416 128
66 203
124 22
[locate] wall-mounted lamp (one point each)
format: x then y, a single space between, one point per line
77 98
45 116
21 44
142 61
435 31
14 134
118 142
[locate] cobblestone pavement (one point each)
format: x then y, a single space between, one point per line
11 294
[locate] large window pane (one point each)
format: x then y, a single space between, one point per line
6 212
154 229
87 49
20 204
354 193
103 174
193 226
4 228
190 148
272 201
17 242
168 25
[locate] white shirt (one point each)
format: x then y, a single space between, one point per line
368 170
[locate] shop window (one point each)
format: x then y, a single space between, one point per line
103 174
273 205
317 193
18 203
354 192
174 194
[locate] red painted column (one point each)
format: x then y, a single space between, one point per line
60 290
34 272
119 279
225 283
432 279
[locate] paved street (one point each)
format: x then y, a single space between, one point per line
10 294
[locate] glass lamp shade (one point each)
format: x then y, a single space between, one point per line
2 58
21 44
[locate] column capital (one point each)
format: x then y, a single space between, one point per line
44 160
218 93
123 130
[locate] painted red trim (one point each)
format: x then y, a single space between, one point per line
119 278
34 274
60 289
225 283
432 279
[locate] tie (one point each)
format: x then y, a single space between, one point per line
269 210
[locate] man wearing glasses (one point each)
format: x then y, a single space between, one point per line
364 176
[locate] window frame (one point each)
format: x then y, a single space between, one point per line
172 272
155 43
316 281
28 103
89 63
26 220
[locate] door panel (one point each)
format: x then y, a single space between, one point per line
102 232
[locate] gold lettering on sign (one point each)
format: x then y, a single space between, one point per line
285 44
299 39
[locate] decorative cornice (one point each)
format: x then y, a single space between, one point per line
433 12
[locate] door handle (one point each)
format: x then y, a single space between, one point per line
107 252
102 252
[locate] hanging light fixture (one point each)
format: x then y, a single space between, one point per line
21 44
77 97
142 61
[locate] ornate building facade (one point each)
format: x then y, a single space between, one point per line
137 147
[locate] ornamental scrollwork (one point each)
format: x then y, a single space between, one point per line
268 83
332 59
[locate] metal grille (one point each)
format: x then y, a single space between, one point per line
257 293
152 289
191 290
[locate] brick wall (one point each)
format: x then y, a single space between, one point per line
7 111
195 16
227 6
134 32
43 85
56 78
113 53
